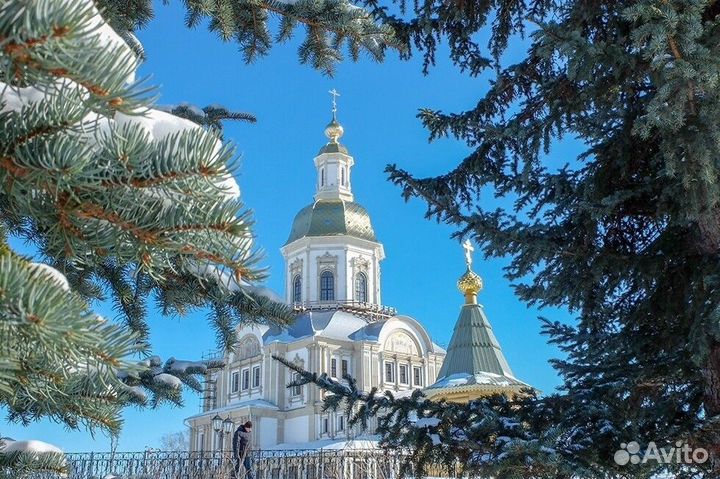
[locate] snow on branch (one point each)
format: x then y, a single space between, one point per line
488 434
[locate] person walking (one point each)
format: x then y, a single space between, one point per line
241 450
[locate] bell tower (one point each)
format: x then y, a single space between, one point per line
332 255
333 163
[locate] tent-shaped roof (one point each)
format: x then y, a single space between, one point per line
474 358
473 347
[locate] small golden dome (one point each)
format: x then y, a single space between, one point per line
334 130
470 284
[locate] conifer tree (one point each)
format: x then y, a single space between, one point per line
625 233
122 201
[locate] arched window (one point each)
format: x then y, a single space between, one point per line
322 176
297 289
327 286
361 287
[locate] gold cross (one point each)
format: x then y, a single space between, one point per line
334 94
468 247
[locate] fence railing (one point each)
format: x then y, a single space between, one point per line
286 464
371 310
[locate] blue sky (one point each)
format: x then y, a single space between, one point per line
377 108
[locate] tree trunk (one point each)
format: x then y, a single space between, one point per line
711 373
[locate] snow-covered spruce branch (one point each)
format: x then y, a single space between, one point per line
152 382
93 166
229 302
494 436
329 25
58 358
23 459
118 194
120 198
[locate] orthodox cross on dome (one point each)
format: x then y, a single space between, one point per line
334 130
334 94
469 283
468 247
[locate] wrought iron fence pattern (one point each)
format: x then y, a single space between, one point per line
286 464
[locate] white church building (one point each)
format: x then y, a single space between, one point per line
332 278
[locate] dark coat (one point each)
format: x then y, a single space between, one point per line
241 441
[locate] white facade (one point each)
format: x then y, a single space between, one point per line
332 269
333 175
346 258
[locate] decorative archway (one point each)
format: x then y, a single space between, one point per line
247 347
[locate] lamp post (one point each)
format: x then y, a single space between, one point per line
227 425
222 428
217 424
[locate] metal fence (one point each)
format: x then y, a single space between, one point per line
287 464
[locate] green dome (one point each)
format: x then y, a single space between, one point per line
331 218
333 148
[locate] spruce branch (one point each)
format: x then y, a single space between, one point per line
21 464
248 23
122 201
211 116
488 437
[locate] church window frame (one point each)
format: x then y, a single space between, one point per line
342 176
344 367
417 376
341 423
245 379
333 368
296 390
234 382
327 286
389 372
297 288
256 377
403 374
322 177
361 287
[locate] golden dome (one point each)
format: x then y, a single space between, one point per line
470 284
334 130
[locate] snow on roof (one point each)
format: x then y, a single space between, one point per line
439 349
480 378
326 324
355 444
342 325
333 324
370 332
256 403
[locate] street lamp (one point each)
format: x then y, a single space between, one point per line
227 425
222 427
217 424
